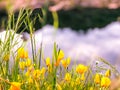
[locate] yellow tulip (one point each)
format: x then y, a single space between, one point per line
107 73
21 53
81 69
15 86
66 62
97 78
105 82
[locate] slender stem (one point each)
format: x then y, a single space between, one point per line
40 56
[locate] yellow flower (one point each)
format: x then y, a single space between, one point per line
60 55
67 77
22 65
105 82
21 53
66 62
81 69
15 86
59 58
28 62
107 73
48 61
36 73
6 57
97 78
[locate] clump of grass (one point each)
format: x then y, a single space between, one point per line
27 73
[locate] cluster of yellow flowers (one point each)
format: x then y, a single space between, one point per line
26 66
103 80
42 77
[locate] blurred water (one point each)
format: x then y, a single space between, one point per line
83 48
104 42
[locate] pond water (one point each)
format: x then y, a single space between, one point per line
84 48
98 42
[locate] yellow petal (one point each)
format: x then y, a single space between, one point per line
15 86
105 82
60 55
68 60
107 73
21 53
48 61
